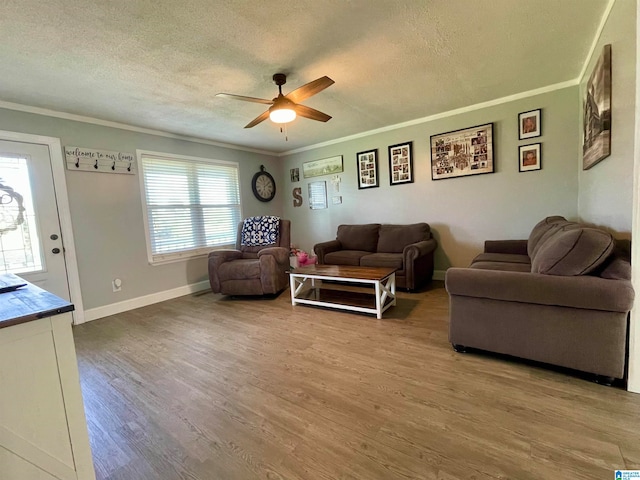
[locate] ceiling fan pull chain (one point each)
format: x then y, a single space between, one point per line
283 130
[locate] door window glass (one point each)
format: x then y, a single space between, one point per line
20 250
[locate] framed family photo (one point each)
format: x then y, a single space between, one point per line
367 164
401 163
530 157
462 152
530 124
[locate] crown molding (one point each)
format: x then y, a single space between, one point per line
437 116
596 39
123 126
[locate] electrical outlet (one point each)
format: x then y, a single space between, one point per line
116 284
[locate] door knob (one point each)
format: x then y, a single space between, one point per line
55 250
53 236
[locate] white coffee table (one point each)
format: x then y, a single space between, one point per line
306 287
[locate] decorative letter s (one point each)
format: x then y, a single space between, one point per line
297 197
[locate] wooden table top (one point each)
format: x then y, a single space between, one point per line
345 271
29 303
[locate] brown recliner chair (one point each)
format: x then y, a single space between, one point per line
252 270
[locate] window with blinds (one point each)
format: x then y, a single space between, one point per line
191 205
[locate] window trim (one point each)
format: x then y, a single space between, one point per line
163 259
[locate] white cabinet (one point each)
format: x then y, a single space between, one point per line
43 431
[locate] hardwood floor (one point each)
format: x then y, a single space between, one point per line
208 387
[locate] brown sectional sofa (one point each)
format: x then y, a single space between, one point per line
408 248
561 297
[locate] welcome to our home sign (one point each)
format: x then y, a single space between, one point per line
103 161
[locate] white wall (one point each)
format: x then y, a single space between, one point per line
106 209
464 211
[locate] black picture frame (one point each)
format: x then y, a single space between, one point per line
401 163
530 124
367 168
530 157
459 153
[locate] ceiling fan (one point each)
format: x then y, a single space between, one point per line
284 108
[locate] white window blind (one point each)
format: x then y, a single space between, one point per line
191 205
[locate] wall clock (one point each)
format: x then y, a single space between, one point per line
263 185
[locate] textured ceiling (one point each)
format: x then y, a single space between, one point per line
158 64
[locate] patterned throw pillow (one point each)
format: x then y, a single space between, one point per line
260 231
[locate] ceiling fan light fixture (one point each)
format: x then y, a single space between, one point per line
286 108
282 114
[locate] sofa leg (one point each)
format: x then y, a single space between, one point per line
604 380
459 348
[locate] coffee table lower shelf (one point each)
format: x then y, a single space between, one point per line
307 288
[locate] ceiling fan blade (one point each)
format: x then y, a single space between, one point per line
261 118
245 99
311 88
311 113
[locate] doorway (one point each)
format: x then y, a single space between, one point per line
37 243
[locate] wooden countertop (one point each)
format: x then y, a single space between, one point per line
28 303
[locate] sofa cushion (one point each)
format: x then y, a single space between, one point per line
390 260
576 251
345 257
542 227
393 238
239 270
618 265
502 266
616 269
359 237
502 258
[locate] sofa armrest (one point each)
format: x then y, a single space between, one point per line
280 254
515 247
224 255
417 260
585 291
321 249
419 249
217 258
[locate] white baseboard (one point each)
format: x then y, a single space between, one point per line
126 305
133 303
439 274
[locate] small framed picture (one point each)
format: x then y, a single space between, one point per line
401 163
529 124
295 174
367 163
530 157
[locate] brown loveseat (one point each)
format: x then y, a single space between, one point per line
561 297
407 248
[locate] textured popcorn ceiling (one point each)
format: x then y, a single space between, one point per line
158 64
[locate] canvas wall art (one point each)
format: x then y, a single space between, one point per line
596 125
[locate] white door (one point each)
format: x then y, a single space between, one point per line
30 239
